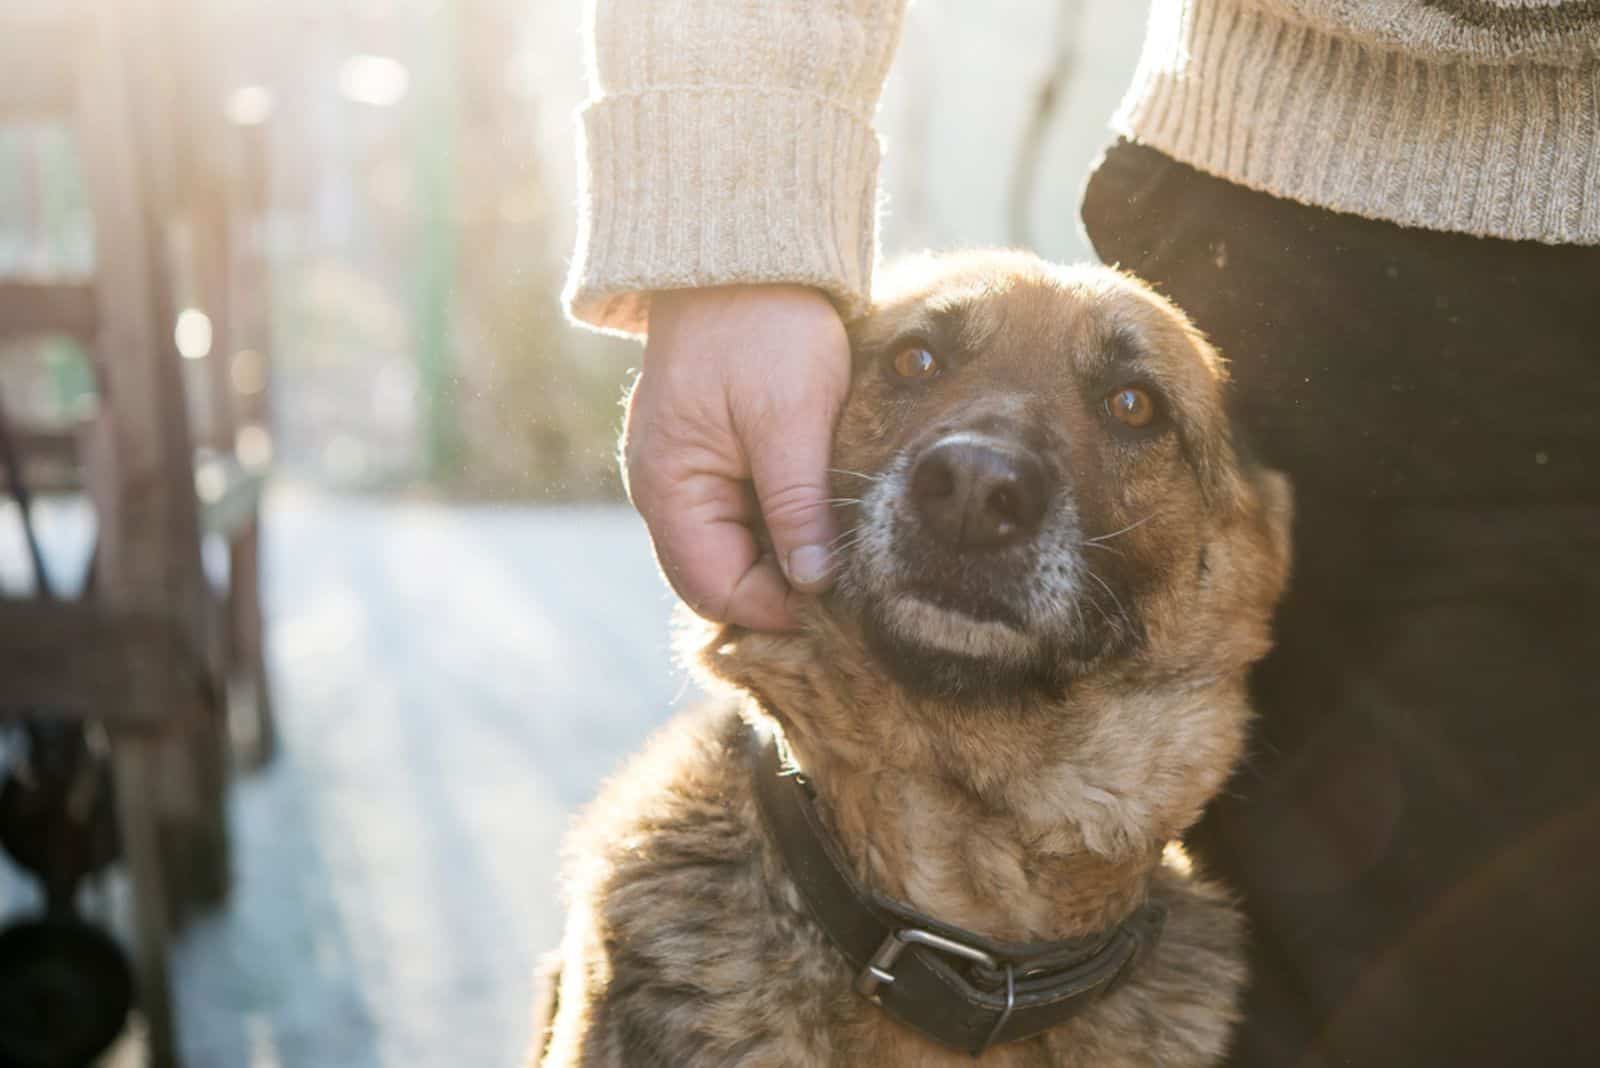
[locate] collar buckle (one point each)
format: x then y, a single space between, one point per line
878 970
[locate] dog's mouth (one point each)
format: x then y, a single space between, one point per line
962 584
966 605
1037 624
945 618
935 642
940 599
910 621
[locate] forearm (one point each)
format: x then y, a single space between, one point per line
727 143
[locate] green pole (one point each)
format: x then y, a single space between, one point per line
436 106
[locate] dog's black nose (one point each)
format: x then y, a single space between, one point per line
976 496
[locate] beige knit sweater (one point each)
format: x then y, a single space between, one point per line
734 142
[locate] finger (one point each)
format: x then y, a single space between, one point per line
707 552
761 600
789 465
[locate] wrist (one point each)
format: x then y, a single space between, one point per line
673 300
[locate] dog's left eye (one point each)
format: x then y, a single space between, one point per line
1132 407
915 362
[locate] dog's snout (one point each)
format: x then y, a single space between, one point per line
973 495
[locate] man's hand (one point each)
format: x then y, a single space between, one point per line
741 385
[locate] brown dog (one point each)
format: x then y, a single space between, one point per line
1029 679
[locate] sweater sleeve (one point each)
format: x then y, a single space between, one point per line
728 141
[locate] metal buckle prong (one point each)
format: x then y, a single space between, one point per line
878 971
1000 1021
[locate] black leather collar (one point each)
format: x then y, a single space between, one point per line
957 987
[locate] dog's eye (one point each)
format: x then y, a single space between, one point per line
914 361
1131 406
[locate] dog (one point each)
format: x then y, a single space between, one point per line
937 820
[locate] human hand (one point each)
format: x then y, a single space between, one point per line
740 385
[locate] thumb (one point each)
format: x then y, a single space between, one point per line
789 465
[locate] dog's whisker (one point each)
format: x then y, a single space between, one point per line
848 538
1098 607
845 547
855 474
1118 533
1121 610
841 500
1103 548
840 550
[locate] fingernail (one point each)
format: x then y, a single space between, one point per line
808 565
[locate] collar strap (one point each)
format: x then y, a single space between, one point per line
957 987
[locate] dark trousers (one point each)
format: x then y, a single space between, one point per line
1416 832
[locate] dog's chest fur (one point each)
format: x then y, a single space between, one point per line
690 945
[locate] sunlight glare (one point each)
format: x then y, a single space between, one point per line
254 446
376 80
192 334
210 481
249 105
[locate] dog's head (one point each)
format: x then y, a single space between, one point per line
1056 565
1040 484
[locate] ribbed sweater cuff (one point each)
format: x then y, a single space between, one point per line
1509 151
695 186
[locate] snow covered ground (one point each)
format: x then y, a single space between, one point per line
452 682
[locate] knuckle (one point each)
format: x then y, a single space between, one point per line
793 505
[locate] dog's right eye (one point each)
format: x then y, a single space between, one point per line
915 362
1132 407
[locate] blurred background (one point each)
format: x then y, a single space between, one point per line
285 380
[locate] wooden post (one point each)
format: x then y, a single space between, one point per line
140 464
135 758
251 301
205 215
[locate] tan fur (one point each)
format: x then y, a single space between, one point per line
1034 816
